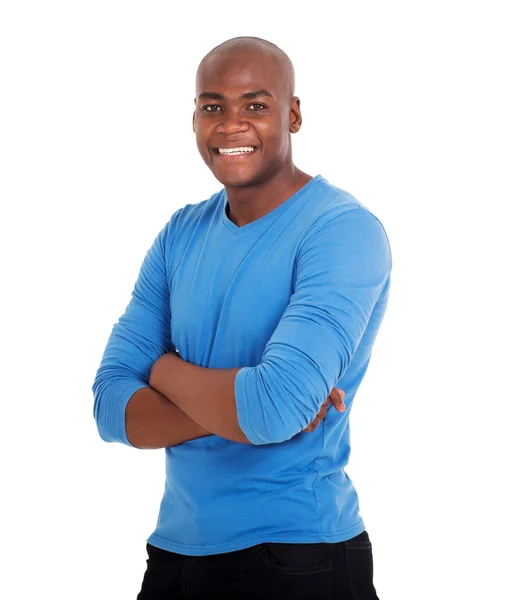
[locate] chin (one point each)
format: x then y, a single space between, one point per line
239 179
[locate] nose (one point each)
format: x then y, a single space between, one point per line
230 126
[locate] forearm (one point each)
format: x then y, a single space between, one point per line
205 395
153 421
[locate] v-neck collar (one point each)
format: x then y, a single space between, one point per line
268 217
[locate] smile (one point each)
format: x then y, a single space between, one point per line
235 151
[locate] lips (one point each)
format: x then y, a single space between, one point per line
237 150
229 155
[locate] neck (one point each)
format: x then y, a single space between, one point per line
251 203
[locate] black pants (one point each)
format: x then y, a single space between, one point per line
321 571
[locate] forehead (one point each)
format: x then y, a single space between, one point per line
234 73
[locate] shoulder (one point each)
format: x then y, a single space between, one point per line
336 211
186 218
344 246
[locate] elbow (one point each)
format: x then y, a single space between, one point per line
271 435
266 427
103 424
110 397
274 406
104 433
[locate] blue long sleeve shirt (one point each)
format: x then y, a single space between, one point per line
296 298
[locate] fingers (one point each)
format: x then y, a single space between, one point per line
337 399
314 424
322 413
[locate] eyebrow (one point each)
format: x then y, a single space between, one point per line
246 96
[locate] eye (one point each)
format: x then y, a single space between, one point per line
257 106
211 107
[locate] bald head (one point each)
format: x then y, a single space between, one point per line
245 98
253 46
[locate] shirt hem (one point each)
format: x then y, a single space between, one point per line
294 538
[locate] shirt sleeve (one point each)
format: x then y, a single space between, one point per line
137 340
343 267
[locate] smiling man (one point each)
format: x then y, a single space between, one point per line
250 312
245 113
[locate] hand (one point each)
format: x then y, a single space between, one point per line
336 397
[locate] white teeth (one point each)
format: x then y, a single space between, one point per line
239 150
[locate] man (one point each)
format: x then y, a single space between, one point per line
249 309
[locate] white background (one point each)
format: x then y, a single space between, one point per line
406 106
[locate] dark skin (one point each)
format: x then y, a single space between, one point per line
256 183
259 182
243 100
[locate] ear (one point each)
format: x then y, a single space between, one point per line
295 118
193 122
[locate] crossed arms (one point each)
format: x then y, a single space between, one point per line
337 286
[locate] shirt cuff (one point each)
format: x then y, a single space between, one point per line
246 414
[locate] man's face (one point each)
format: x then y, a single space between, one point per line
243 103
